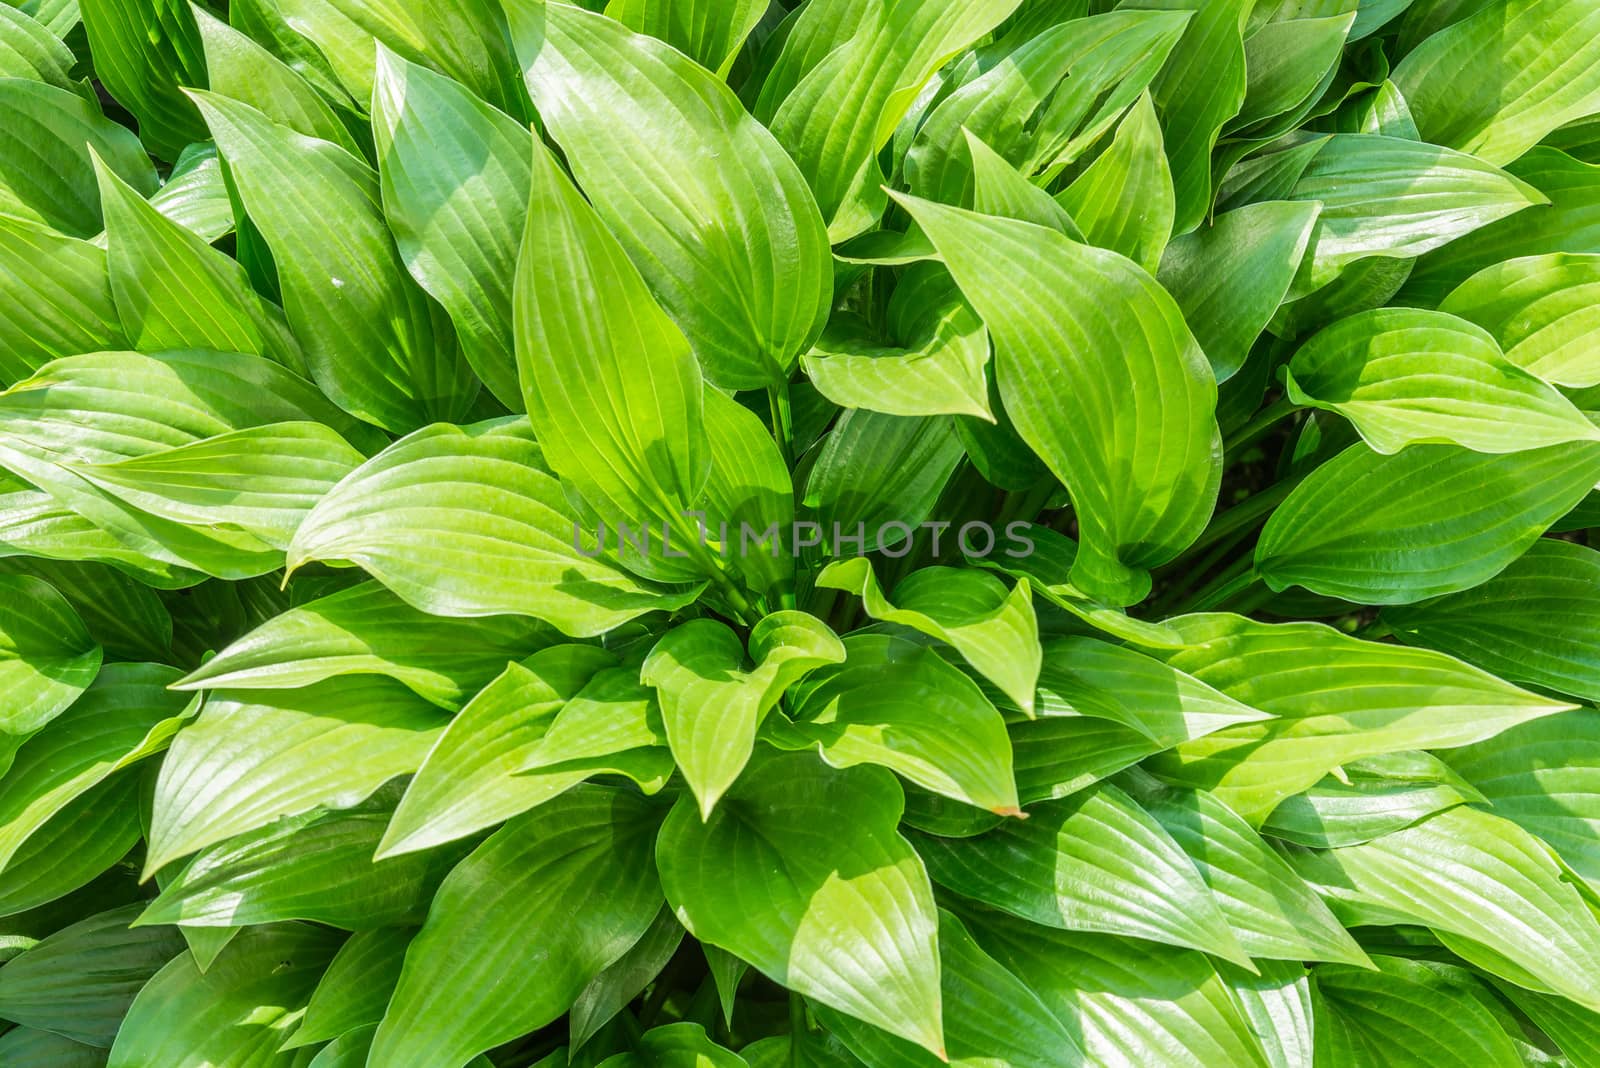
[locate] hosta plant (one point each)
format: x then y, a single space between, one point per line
844 534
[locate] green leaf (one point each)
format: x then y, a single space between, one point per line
469 780
58 295
251 758
1138 502
846 106
1410 1013
1542 311
1124 200
1406 376
750 489
83 840
1369 798
736 252
1463 873
464 521
1396 198
1389 698
29 1045
678 1045
80 981
1092 862
1575 1029
612 389
47 657
1430 520
127 715
899 704
708 32
195 195
1001 189
454 174
776 877
1535 66
1201 87
1126 1001
624 979
29 50
143 52
45 151
929 363
1532 623
585 858
1230 276
375 342
1288 60
712 707
1277 1006
237 1012
356 988
991 1017
124 616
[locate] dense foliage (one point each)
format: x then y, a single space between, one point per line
1028 533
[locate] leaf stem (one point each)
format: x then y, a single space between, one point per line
1257 427
782 420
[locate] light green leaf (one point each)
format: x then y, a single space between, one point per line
1369 798
712 707
1431 520
29 50
1000 189
624 979
195 195
1534 65
1406 376
1230 276
375 342
1092 862
237 1012
251 758
465 522
1124 199
47 657
899 704
1287 61
750 489
1543 312
1277 1006
1407 1014
1388 698
1143 477
143 52
776 877
585 858
735 250
356 988
58 298
455 176
707 31
993 628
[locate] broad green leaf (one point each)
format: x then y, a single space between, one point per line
469 780
1542 311
34 524
715 215
712 707
847 105
706 31
992 627
1496 83
1406 376
776 877
751 490
237 1012
1575 1029
991 1018
45 149
58 298
1431 520
1388 698
263 480
1230 276
84 840
1369 798
585 859
612 389
1406 1014
1092 862
464 521
1124 200
29 1045
316 866
1482 881
1143 478
251 758
1199 89
368 630
195 195
930 361
144 50
678 1045
1534 623
624 979
1277 1005
29 50
174 291
127 715
899 704
1272 912
1396 198
1126 1001
613 724
455 175
80 981
356 988
375 342
1056 756
240 68
47 657
1287 61
1000 189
